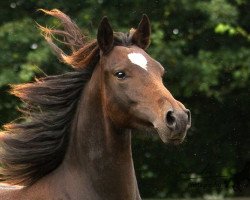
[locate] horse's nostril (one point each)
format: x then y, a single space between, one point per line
189 116
171 119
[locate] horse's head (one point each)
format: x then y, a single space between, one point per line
134 93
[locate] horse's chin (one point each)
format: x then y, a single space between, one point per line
169 138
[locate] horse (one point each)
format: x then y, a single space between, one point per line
74 139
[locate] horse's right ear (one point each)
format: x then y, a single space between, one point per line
141 36
105 36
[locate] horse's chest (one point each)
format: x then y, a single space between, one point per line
9 194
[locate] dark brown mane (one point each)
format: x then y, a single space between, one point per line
36 146
33 148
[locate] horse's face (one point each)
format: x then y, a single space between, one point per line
134 93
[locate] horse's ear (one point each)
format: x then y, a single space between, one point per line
141 36
105 36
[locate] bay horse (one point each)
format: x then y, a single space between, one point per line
75 139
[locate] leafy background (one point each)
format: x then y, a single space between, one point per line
205 48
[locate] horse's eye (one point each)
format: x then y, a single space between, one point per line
120 75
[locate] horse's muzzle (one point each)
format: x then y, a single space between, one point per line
176 125
173 127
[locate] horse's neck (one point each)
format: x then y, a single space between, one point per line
101 153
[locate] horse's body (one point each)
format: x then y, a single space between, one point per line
124 91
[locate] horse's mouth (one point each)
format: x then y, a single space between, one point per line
166 135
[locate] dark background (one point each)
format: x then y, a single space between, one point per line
205 49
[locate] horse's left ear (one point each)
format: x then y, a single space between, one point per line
105 36
141 36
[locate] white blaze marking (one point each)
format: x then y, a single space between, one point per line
138 59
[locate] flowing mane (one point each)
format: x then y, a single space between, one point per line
36 146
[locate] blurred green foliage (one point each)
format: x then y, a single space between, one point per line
205 49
